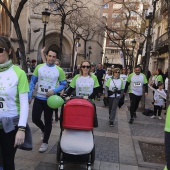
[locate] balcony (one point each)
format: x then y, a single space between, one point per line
161 44
164 6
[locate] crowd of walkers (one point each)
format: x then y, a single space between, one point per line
90 81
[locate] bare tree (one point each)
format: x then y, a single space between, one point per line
61 8
15 21
126 26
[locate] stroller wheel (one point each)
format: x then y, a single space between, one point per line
58 152
93 155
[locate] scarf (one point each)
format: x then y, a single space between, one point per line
5 66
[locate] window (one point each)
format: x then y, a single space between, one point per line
105 15
106 6
117 6
116 24
115 15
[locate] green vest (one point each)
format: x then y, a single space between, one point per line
167 122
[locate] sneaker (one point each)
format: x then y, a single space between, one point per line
159 117
131 121
42 136
152 117
44 147
135 115
111 124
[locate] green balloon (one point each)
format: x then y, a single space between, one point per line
55 101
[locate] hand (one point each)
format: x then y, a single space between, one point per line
50 93
29 101
62 93
124 94
43 49
19 138
85 97
67 98
105 96
146 94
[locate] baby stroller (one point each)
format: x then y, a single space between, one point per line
76 143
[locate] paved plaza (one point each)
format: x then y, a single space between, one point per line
117 148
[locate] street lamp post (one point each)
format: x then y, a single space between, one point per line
45 20
76 45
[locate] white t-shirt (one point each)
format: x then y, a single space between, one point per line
159 100
124 78
13 82
115 83
84 85
136 83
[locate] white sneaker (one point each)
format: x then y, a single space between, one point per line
42 136
44 147
159 117
153 117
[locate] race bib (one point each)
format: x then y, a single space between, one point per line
3 105
42 89
137 84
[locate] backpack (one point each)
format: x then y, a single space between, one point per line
148 112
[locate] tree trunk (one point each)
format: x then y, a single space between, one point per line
148 49
85 51
61 38
21 45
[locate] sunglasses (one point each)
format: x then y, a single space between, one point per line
85 67
2 50
117 72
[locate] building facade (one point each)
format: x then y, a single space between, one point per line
32 32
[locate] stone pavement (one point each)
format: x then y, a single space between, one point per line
117 148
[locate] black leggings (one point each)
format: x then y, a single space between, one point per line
134 103
157 109
8 151
38 107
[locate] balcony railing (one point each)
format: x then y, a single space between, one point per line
162 40
164 6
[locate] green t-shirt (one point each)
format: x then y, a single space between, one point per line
84 85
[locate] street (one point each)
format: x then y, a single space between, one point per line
117 148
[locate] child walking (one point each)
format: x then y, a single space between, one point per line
159 100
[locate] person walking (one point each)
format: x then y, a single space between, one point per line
136 81
46 75
13 104
106 77
158 78
124 77
159 100
114 90
100 73
85 84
